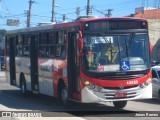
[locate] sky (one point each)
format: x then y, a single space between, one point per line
41 10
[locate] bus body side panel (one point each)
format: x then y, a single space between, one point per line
25 69
7 70
18 70
45 76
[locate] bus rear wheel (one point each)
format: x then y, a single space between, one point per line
23 86
120 104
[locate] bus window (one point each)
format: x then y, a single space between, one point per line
26 51
19 45
42 51
46 45
58 50
42 40
42 45
50 51
25 47
51 39
50 45
61 45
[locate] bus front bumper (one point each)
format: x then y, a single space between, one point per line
108 95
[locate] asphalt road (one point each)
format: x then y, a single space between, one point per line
12 100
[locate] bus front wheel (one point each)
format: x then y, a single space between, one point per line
120 104
62 95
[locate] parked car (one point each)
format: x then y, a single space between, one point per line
156 82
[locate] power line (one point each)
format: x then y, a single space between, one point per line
13 15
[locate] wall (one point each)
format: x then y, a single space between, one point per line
154 34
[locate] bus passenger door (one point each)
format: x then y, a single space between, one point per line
12 67
34 64
73 65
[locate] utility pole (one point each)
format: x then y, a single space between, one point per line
78 11
29 13
88 7
53 11
109 14
64 17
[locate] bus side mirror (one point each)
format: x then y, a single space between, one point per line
80 41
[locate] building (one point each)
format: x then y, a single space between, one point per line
153 17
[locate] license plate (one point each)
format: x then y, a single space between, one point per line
120 95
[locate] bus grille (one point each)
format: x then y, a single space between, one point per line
109 93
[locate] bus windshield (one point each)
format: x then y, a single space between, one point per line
110 53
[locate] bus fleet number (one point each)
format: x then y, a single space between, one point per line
132 82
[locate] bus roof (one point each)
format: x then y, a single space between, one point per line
68 24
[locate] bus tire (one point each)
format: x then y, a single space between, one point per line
120 104
62 94
23 86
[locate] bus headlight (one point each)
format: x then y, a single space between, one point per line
91 86
98 88
95 87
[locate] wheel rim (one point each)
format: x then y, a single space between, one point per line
23 88
64 95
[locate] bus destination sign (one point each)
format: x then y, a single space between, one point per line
114 25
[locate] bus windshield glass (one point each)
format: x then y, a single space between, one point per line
111 53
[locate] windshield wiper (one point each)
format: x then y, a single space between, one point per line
131 39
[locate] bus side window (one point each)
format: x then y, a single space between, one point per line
25 47
46 44
61 45
19 45
26 51
42 51
63 52
58 50
51 52
42 45
50 45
